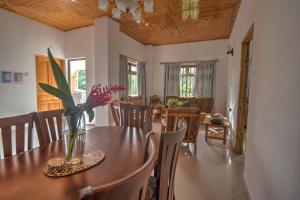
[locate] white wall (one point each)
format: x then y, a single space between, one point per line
81 43
150 60
245 19
101 64
194 51
272 160
120 43
101 44
20 39
110 42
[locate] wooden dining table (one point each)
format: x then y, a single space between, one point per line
21 176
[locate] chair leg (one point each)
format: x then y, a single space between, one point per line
206 132
195 148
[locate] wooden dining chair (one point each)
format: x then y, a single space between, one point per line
161 185
138 100
133 186
193 118
23 126
115 111
50 124
138 116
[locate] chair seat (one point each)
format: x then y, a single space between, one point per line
152 188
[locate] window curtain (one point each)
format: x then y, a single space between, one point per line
142 81
123 75
172 80
205 75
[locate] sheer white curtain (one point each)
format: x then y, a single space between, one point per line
142 80
123 75
172 80
205 79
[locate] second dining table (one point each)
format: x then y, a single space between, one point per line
21 176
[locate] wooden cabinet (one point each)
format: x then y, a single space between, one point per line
44 74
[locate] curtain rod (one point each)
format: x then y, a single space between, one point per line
194 61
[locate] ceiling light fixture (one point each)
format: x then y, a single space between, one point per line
129 6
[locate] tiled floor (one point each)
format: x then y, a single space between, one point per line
215 173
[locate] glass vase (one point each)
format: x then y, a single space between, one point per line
74 131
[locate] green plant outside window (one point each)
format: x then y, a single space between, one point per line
81 80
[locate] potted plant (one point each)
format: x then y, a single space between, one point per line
155 101
173 103
74 137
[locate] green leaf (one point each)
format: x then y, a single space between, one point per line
60 78
54 91
91 115
66 100
73 123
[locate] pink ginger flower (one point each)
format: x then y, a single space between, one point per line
101 96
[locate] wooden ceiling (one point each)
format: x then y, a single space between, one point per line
165 25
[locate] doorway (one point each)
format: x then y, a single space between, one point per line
77 79
78 83
44 74
243 102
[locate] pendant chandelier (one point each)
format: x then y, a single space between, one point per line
129 6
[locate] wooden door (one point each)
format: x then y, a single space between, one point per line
243 102
44 74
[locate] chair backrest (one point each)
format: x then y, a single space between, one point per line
133 99
18 125
138 116
192 117
205 104
115 111
50 124
133 186
167 160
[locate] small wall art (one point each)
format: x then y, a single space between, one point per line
18 77
6 77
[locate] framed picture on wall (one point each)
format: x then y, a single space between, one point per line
18 77
6 77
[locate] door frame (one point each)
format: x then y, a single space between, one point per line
37 56
243 108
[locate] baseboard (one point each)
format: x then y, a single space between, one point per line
246 187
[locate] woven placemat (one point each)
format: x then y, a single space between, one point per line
57 167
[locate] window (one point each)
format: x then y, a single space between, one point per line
77 74
132 79
77 79
187 81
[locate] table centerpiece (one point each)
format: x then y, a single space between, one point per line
74 138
